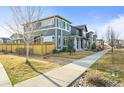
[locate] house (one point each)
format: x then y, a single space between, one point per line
119 44
17 38
79 34
91 36
5 40
51 29
100 43
57 29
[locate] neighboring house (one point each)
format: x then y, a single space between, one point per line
79 34
17 38
4 40
100 43
57 29
119 44
91 36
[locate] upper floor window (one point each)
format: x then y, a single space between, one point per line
58 23
36 25
67 26
63 24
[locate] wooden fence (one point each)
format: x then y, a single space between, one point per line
35 49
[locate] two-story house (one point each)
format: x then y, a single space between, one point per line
51 29
5 40
57 29
79 34
17 38
91 38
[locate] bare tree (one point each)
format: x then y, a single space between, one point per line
112 37
23 18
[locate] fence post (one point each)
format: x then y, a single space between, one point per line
6 48
11 48
41 48
46 48
32 49
2 47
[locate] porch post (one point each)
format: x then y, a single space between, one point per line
79 43
75 43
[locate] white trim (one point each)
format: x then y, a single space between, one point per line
48 29
56 37
61 39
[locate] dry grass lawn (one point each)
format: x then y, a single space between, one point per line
75 55
109 63
18 71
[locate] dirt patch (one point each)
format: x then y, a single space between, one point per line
59 60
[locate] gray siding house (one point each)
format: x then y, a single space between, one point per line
5 40
57 29
51 29
79 34
17 38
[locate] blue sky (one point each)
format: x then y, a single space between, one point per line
94 17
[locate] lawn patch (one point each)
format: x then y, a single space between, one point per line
18 71
110 64
75 55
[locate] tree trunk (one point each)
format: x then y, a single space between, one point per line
112 49
112 45
27 52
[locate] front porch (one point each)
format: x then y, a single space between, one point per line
80 43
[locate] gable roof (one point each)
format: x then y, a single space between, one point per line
5 38
82 27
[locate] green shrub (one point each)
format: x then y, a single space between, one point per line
55 51
64 49
93 46
71 45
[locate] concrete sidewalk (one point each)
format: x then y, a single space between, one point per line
62 76
4 80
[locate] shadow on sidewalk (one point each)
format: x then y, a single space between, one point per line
28 63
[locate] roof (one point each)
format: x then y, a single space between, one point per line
74 29
91 32
99 39
16 34
84 27
5 38
53 17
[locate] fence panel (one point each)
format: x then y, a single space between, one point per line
38 49
8 48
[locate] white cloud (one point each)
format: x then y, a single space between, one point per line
117 24
4 33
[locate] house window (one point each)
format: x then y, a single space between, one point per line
63 25
64 41
59 42
58 23
77 43
37 40
53 37
67 26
